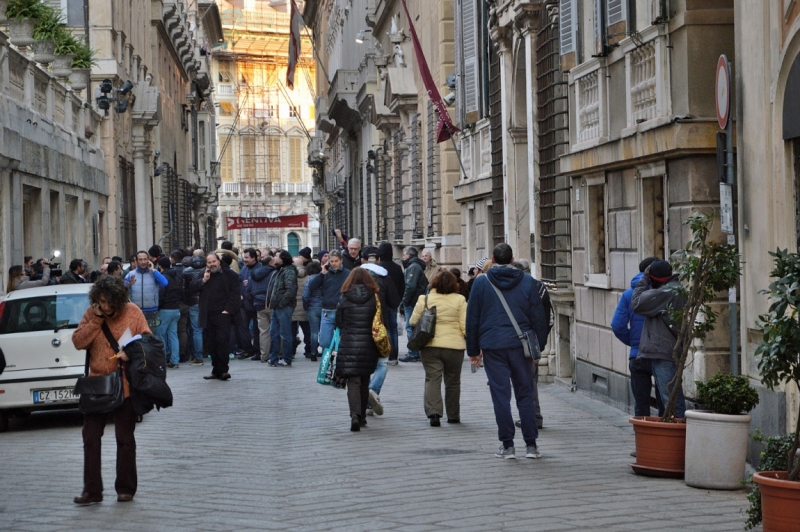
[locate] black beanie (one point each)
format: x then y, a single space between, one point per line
660 270
646 262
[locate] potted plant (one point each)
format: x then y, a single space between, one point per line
705 268
44 35
772 458
716 439
779 364
22 15
82 63
66 44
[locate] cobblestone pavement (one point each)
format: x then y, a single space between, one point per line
271 450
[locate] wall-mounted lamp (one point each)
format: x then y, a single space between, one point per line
360 35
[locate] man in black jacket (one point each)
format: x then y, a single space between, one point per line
395 272
261 283
169 311
249 314
282 302
416 285
333 276
220 298
191 298
75 273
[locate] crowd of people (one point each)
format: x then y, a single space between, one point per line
222 304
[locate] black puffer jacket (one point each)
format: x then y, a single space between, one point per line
358 355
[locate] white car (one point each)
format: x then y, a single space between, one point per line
42 365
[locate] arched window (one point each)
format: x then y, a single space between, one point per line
293 243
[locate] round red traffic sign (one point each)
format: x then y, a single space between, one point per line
723 91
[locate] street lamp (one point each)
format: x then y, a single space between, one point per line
360 35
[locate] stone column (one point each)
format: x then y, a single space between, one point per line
503 41
144 192
529 35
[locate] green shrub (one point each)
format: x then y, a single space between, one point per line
773 458
727 394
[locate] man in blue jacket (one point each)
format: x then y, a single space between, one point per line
262 281
492 337
333 276
627 327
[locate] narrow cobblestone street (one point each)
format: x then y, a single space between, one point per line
271 450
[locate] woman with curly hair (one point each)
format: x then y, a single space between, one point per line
110 305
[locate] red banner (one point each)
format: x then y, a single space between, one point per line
444 126
262 222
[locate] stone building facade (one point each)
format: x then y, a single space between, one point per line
264 128
381 175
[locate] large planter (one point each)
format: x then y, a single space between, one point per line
660 447
44 51
79 79
62 65
716 450
780 501
20 32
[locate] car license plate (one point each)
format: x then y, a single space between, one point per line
54 396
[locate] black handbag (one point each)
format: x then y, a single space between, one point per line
101 394
425 329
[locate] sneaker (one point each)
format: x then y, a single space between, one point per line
271 363
370 412
375 401
508 454
283 363
532 452
391 362
409 358
196 362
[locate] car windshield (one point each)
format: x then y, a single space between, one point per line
43 313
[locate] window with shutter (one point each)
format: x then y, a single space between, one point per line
568 33
274 159
295 159
616 17
248 165
599 27
470 36
201 145
74 15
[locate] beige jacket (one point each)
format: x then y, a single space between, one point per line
451 319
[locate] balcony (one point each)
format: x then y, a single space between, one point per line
291 188
34 90
588 81
343 107
647 79
253 189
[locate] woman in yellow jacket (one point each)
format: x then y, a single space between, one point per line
444 355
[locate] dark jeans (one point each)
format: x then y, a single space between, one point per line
251 324
216 336
391 328
240 335
506 369
641 383
664 371
280 334
358 395
296 325
93 427
183 334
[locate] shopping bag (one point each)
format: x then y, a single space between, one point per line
326 364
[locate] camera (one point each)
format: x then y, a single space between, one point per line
55 269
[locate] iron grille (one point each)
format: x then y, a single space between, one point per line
434 180
211 234
127 208
382 168
368 204
169 206
554 188
185 225
496 138
397 178
416 178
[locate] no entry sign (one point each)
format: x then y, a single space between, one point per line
723 91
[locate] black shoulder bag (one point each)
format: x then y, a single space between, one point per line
530 344
425 329
101 394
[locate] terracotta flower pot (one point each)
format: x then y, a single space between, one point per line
660 447
44 51
20 32
780 501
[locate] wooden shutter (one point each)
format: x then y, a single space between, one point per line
248 158
616 20
599 27
274 158
470 26
568 33
295 159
